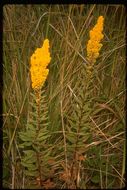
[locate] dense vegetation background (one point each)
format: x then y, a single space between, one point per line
67 27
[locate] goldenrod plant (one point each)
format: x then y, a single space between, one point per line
78 133
35 137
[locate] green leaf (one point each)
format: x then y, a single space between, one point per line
26 164
25 144
31 133
71 137
46 124
27 161
23 136
27 136
42 137
32 174
44 118
30 153
32 122
31 127
31 166
35 147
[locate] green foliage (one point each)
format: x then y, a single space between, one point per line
78 127
78 122
34 138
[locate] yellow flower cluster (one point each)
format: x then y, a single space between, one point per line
39 62
94 45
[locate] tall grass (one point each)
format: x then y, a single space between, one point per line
67 28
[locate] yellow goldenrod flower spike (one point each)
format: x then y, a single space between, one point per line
94 45
39 62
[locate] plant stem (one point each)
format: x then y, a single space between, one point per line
74 165
38 95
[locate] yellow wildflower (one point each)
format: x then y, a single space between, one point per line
39 62
94 45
